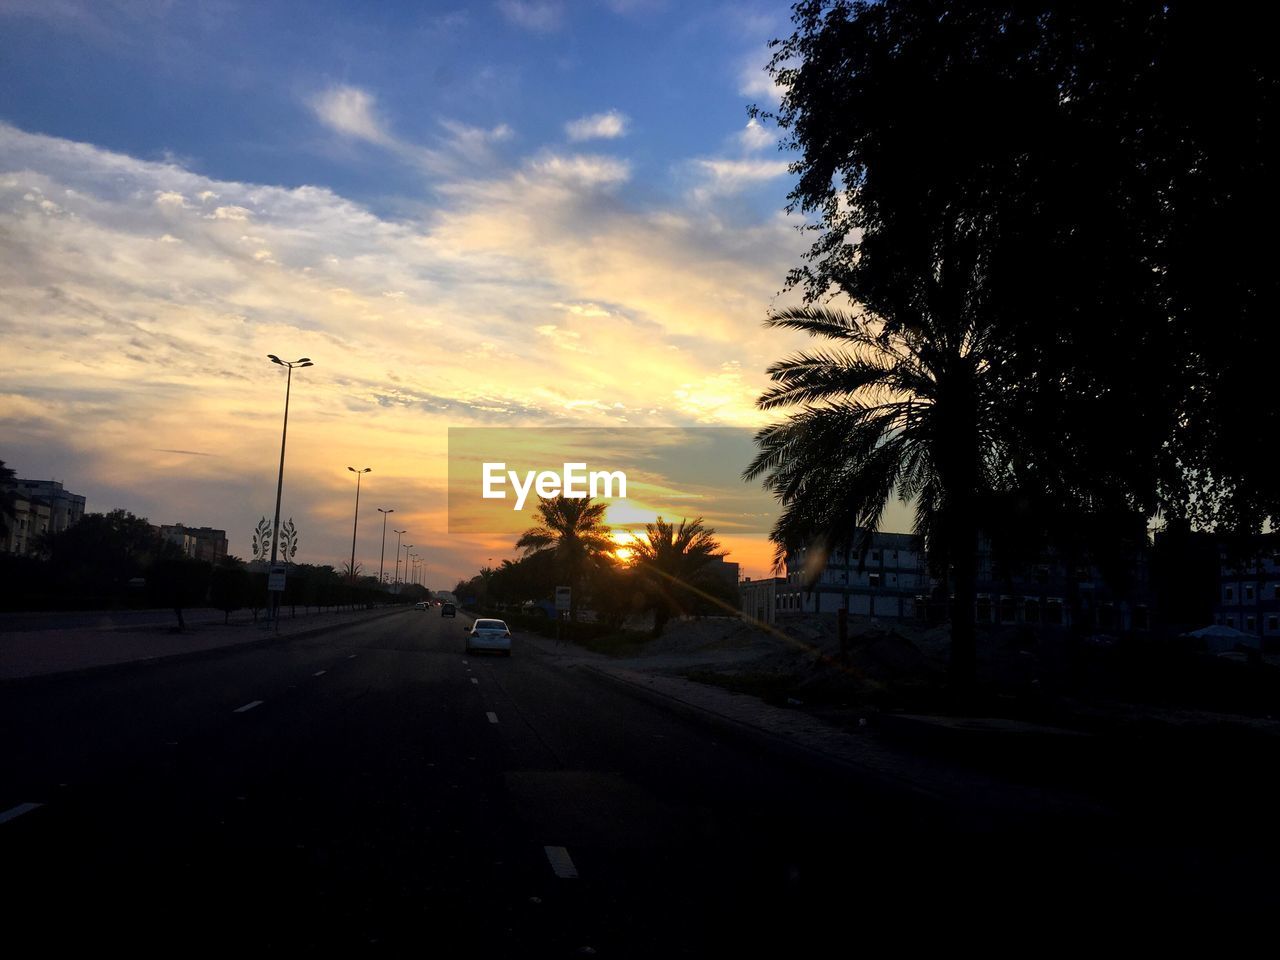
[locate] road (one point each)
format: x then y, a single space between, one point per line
372 789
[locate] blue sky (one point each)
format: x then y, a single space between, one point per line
232 89
547 214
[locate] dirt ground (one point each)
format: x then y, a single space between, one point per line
897 665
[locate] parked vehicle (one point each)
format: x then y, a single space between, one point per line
448 610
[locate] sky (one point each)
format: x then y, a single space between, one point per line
517 213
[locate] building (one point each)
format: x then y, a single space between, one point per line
32 518
759 598
1248 588
891 580
726 570
200 543
1052 592
888 581
65 507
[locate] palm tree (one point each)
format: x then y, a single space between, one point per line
575 530
912 409
674 562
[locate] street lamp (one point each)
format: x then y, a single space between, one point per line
383 555
356 521
398 532
407 548
284 433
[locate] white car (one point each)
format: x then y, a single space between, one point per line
420 605
489 635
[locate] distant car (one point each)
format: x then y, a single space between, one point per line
448 610
420 605
489 635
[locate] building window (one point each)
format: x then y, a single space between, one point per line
873 580
1008 610
1053 611
1231 621
984 609
1250 624
1031 610
1248 591
1229 593
1273 623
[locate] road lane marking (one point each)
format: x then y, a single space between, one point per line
352 657
248 706
561 863
14 812
320 673
493 717
474 680
464 663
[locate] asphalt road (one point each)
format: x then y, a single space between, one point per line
373 790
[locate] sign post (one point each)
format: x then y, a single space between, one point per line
563 600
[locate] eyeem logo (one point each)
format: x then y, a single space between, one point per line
573 482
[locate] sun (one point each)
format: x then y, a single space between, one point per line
623 539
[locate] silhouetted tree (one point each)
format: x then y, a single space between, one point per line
1039 180
574 531
229 587
674 563
914 411
178 582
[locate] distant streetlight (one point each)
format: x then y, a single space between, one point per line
407 548
284 433
383 555
397 580
356 521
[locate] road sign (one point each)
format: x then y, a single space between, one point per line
275 579
562 598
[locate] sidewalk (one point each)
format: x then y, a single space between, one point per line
35 653
863 754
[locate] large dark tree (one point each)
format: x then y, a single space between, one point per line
1078 182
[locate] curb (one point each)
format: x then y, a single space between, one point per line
103 669
778 744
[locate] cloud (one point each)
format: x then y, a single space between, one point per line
754 136
527 296
598 126
540 16
351 112
755 81
722 177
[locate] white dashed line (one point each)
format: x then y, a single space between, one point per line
464 663
14 812
561 863
474 680
493 717
352 657
320 673
248 706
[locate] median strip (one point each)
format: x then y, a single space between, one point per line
248 706
561 863
14 812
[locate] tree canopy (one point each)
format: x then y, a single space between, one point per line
1089 181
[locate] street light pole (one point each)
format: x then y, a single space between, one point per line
383 555
397 582
284 434
355 522
407 548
